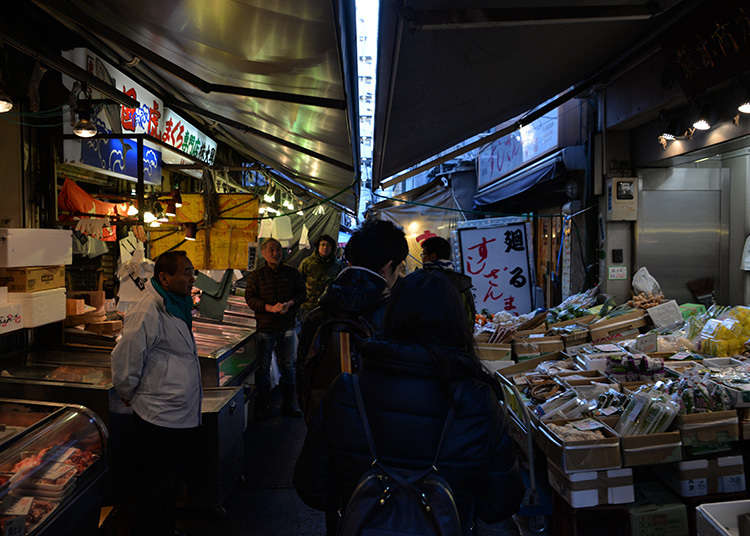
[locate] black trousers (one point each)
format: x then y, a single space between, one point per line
162 458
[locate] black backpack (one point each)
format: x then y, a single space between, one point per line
400 502
329 353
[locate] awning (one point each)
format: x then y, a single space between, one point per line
545 170
450 70
275 80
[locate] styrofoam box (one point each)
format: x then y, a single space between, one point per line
35 247
41 307
11 318
720 519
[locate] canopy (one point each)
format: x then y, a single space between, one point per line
449 70
545 170
277 80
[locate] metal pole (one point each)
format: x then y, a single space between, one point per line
140 187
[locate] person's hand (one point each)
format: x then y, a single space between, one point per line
275 308
287 306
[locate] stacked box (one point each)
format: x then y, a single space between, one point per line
695 478
592 488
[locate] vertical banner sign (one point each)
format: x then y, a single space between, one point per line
498 260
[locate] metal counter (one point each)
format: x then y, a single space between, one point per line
227 353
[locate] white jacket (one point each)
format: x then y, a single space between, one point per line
155 365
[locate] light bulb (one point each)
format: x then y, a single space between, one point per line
300 213
701 124
132 210
6 105
84 128
667 136
744 107
148 217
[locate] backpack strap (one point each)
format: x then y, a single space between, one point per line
363 417
446 425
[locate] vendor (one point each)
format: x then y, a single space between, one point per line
319 269
155 370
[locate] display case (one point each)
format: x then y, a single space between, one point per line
52 464
227 353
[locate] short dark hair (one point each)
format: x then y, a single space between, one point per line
325 238
375 243
267 242
437 245
167 262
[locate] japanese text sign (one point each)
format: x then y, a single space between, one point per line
498 260
182 135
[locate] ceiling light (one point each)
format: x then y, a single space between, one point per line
190 230
132 210
702 124
148 217
667 136
155 223
269 197
84 128
744 107
300 213
6 104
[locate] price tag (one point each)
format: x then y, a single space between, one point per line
56 470
587 424
618 273
536 336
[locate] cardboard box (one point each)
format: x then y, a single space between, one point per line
74 307
647 449
592 488
94 298
525 347
575 456
618 328
108 327
35 247
657 512
11 317
720 519
581 320
32 279
695 478
712 431
495 352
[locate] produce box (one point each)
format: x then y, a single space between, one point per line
720 519
11 317
647 449
94 298
524 347
31 279
528 365
108 327
575 456
75 307
581 320
711 431
539 330
619 327
592 488
35 247
695 478
495 352
657 512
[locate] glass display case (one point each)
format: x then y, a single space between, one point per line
227 353
52 460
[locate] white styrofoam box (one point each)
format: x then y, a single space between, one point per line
3 295
11 318
41 307
720 519
35 247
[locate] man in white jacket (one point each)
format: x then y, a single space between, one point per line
155 371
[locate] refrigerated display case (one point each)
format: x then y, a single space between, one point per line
227 353
52 464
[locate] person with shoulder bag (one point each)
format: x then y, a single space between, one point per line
415 443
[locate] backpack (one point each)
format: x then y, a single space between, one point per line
399 502
328 355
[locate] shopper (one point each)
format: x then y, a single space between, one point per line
424 364
155 370
436 255
319 269
275 292
354 303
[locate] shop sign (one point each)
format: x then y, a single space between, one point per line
513 150
117 158
498 260
182 135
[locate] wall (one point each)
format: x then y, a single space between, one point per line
738 165
11 200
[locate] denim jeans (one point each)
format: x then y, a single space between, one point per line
285 344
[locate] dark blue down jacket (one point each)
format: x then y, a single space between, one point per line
406 405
